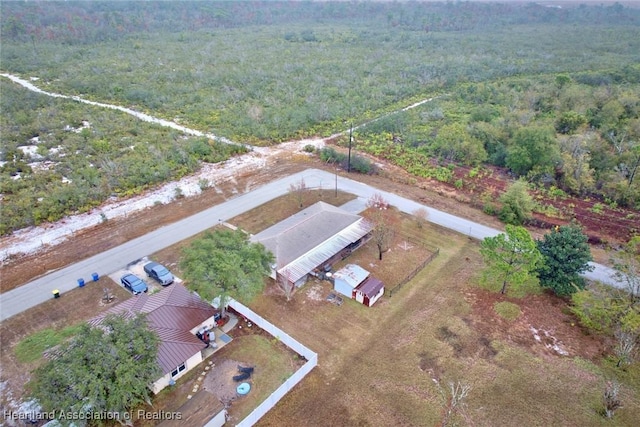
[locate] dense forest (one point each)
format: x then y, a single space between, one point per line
571 132
551 94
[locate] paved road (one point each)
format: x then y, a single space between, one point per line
65 279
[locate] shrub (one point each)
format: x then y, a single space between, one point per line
490 209
309 148
517 204
361 165
507 310
597 208
203 183
330 155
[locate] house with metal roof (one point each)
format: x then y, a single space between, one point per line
175 314
311 239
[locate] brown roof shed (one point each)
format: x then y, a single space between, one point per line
370 287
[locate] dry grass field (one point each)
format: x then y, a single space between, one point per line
391 364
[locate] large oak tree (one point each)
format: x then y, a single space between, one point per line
224 263
102 369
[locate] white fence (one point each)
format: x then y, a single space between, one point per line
310 356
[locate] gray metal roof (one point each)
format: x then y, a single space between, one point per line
307 239
352 274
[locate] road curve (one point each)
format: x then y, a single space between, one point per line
65 279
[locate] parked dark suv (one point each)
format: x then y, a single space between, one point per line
159 272
134 283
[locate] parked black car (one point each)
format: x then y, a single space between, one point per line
159 272
134 283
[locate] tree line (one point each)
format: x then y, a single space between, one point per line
579 132
237 70
95 21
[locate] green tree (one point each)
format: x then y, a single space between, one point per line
562 80
577 174
614 310
493 137
517 204
610 115
454 143
533 150
606 309
569 122
565 255
511 259
225 264
106 368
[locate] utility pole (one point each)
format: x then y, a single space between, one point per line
336 179
350 139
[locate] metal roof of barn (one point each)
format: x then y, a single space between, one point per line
307 239
171 313
351 274
301 266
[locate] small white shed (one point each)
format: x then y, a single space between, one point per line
348 278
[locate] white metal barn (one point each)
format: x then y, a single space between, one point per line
312 238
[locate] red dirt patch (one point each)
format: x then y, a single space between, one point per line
545 313
601 223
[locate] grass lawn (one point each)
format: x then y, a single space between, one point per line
32 347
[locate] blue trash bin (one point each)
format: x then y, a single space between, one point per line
95 277
81 282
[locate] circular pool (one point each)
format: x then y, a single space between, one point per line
243 388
